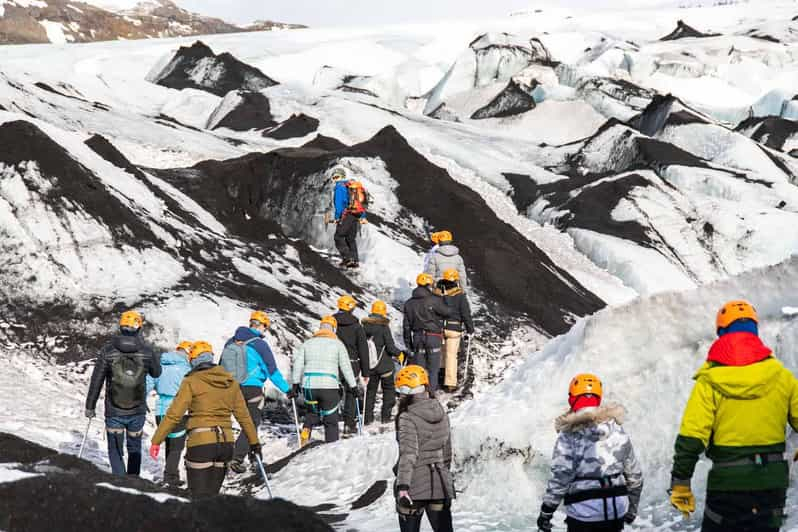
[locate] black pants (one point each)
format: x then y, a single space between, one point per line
427 354
253 395
754 511
388 396
439 515
206 467
174 448
350 408
575 525
346 237
323 408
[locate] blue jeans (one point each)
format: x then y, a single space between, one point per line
117 427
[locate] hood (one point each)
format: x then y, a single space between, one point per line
127 344
738 349
741 382
215 376
572 421
345 318
174 358
245 333
421 292
448 250
324 333
430 410
375 319
452 291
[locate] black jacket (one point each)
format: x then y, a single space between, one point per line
119 346
351 333
460 317
377 328
424 312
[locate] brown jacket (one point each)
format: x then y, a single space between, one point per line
209 394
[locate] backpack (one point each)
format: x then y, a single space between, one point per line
358 197
374 355
128 385
234 359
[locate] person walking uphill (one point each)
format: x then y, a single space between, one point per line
741 403
422 327
445 257
458 322
423 472
317 365
349 202
251 361
174 367
351 333
122 366
378 332
593 468
211 395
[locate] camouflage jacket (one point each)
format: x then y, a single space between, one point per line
593 464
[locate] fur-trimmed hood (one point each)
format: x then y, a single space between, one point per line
572 421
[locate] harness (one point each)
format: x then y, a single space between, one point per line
219 435
759 459
314 405
604 492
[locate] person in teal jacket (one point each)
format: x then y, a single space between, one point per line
174 367
261 367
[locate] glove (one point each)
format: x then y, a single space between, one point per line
365 381
155 450
255 451
294 392
545 517
90 413
401 357
683 500
403 499
629 518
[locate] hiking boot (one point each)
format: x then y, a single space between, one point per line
450 389
353 264
304 437
237 466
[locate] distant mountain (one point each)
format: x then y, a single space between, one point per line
64 21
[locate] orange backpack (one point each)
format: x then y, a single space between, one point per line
358 197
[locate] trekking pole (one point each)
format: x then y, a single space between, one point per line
359 417
468 360
265 477
365 403
85 435
296 422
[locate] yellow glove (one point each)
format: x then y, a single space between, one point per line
401 357
683 500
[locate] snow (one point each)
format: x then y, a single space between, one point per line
55 31
158 497
10 473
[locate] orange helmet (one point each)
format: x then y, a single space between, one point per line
733 311
445 236
451 275
435 237
379 307
185 345
260 317
424 279
329 320
584 384
411 380
346 303
131 319
199 348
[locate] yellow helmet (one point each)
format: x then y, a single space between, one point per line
445 236
346 303
451 275
199 348
435 237
412 380
424 279
733 311
329 320
260 317
185 345
585 383
131 319
379 307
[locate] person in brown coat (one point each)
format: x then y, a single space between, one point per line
211 395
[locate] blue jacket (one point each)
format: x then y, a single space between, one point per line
340 198
260 360
174 367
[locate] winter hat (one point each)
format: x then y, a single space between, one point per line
583 401
204 358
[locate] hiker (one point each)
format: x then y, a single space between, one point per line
742 400
174 366
260 367
447 256
121 366
458 322
593 468
351 333
211 395
349 200
381 373
428 256
424 314
317 364
423 475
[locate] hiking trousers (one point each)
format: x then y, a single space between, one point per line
122 431
206 467
452 349
427 347
175 443
439 515
323 409
346 237
751 511
386 380
575 525
253 395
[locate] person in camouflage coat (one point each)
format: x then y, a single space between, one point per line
593 468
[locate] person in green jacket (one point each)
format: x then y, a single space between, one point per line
741 403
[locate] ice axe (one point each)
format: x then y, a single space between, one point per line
265 476
85 435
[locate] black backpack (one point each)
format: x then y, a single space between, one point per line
128 383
